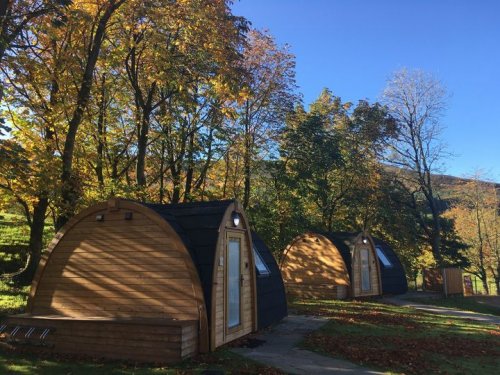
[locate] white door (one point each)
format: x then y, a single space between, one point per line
365 270
233 283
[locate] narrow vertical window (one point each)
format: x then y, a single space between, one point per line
233 283
365 270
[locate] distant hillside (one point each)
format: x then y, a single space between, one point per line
447 180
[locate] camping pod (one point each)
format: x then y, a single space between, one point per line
271 297
313 267
360 256
143 282
392 272
331 266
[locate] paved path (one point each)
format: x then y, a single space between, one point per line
279 350
400 301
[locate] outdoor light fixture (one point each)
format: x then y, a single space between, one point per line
365 240
128 215
99 217
236 218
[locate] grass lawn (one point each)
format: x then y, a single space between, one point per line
222 360
479 305
12 300
400 339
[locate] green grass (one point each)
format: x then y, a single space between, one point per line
14 239
460 303
13 230
12 299
223 360
399 339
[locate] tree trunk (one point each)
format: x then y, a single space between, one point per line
69 193
190 169
142 143
247 171
436 229
226 175
100 135
484 280
162 171
176 181
35 242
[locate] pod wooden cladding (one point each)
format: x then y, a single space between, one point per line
313 267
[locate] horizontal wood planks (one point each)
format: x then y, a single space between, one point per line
314 268
164 341
117 267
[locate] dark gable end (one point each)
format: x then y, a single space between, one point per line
271 297
343 242
393 278
198 226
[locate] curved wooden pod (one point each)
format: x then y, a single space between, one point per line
313 267
120 261
121 269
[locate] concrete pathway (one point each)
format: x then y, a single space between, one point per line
279 350
484 318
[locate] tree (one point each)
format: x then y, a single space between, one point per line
16 16
416 101
267 98
476 216
331 152
100 16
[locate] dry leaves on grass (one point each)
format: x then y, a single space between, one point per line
401 353
362 314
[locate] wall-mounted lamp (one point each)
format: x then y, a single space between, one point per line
128 215
99 217
235 217
364 240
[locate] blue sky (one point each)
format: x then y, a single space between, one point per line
352 46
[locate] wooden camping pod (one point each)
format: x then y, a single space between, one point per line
332 266
144 282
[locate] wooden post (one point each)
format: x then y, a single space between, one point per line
445 286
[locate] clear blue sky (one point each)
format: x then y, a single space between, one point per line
352 46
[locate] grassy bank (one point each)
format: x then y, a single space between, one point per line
399 339
472 303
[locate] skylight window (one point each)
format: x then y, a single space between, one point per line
383 258
259 264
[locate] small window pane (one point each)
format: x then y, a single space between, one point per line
259 264
382 257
